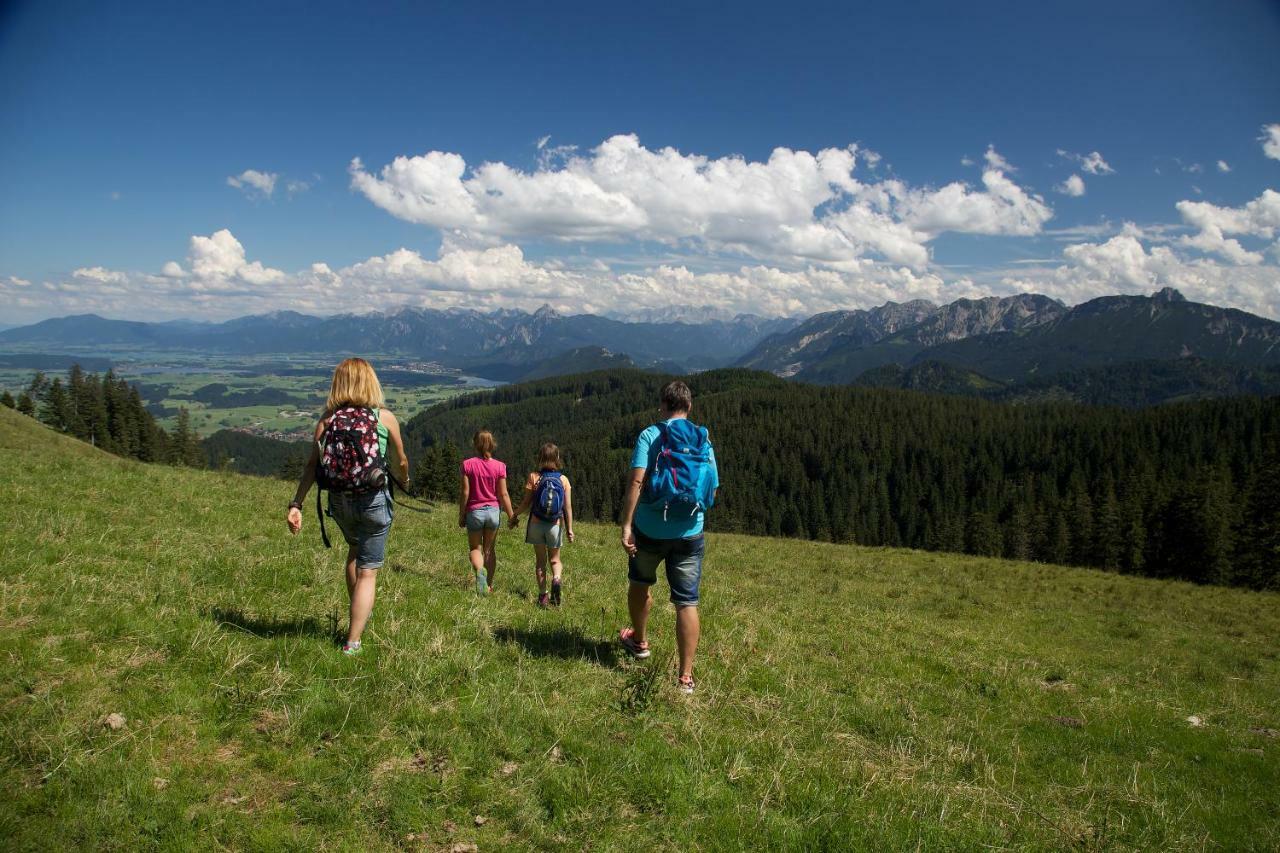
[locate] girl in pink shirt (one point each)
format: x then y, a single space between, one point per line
483 490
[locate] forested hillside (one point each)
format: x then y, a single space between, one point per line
108 413
1182 490
1132 384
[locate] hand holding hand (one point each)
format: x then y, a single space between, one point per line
294 520
462 521
514 522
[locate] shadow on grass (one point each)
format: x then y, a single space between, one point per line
565 643
265 627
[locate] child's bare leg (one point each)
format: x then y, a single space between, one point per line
475 547
556 567
490 552
540 567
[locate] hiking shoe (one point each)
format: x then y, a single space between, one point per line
685 684
351 649
482 584
638 650
555 593
542 600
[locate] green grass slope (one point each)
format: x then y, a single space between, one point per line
848 697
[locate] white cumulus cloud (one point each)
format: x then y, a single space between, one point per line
99 274
1072 186
218 261
795 207
1258 218
1093 162
995 161
1124 265
251 180
1223 166
1270 140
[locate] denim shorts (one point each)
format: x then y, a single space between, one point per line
539 532
684 565
483 518
364 520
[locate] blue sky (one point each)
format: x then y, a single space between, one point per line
124 124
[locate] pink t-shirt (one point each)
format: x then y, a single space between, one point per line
482 477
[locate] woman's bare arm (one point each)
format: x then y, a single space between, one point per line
504 498
294 517
527 500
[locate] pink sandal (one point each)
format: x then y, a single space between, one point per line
627 636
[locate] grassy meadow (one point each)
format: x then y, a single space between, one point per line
848 698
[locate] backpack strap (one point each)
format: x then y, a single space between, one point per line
393 484
324 537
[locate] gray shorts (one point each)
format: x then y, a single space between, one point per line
539 532
365 520
483 518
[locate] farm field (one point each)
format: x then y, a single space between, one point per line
276 396
848 696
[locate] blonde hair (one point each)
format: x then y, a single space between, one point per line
549 456
483 442
354 384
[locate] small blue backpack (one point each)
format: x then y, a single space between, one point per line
548 496
681 477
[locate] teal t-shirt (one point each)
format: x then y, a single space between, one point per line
648 518
382 434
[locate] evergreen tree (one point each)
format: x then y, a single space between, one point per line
76 424
1257 555
26 405
39 385
56 409
983 535
291 468
1108 533
6 400
185 445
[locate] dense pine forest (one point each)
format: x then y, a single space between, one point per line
1182 490
109 413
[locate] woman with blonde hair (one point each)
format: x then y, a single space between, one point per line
350 459
548 497
483 488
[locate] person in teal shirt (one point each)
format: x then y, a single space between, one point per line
652 536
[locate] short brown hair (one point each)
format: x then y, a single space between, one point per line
354 384
676 397
549 456
483 442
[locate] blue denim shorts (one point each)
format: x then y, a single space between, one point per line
364 520
483 518
684 565
539 532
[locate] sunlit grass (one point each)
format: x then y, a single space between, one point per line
848 697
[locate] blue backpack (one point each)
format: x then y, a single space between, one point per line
548 496
681 476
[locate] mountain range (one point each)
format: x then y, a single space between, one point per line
1013 340
504 341
1121 349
